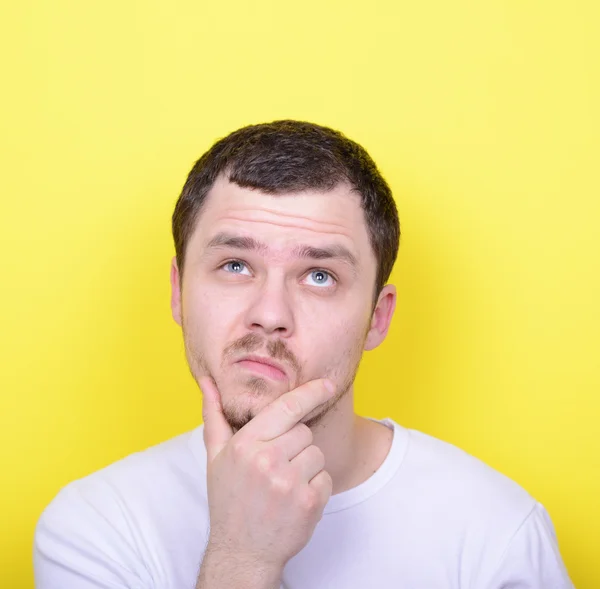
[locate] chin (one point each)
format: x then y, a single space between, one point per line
258 387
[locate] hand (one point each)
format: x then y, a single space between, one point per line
267 486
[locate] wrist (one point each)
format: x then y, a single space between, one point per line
241 570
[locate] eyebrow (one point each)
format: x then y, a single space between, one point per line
330 252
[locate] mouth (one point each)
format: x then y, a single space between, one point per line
263 366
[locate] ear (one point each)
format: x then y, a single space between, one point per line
382 317
175 292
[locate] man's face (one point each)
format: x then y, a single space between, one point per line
311 316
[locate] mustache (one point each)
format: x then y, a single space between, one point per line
251 342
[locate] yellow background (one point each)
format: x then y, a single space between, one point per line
484 118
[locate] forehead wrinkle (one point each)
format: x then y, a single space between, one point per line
294 225
278 213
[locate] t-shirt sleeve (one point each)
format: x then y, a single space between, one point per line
532 559
77 546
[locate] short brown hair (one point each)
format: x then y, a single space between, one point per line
290 156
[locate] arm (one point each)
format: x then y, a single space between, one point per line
220 570
532 559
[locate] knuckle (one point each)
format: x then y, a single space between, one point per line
309 500
265 461
322 483
305 432
239 449
327 482
291 406
318 455
282 485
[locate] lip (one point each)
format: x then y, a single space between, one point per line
266 362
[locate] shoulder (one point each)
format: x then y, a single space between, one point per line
106 500
103 526
532 558
474 500
480 511
156 469
461 477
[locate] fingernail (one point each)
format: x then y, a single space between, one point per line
329 385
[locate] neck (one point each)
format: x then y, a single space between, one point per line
354 446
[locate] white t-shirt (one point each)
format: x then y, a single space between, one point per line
430 517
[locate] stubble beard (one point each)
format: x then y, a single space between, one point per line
258 387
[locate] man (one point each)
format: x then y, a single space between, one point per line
285 236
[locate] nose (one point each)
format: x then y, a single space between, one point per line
271 311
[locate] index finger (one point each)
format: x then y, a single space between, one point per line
286 411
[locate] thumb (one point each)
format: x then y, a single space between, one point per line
217 432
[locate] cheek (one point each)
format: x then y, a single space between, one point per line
343 344
202 307
204 319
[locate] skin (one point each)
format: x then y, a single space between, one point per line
313 316
266 488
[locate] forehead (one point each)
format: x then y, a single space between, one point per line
333 217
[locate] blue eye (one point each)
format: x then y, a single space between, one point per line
234 263
320 277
